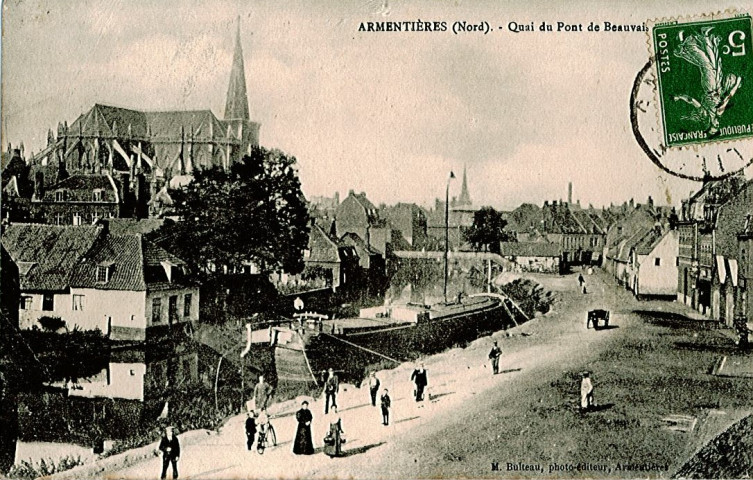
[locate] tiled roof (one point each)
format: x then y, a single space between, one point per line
359 244
646 244
321 247
525 218
48 253
135 264
529 249
125 226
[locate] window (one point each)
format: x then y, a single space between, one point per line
60 196
172 308
48 302
103 273
59 219
97 196
77 219
657 262
78 303
156 310
187 305
25 303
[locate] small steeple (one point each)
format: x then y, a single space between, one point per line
465 197
236 106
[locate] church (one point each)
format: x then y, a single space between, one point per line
144 153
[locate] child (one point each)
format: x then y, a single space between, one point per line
385 400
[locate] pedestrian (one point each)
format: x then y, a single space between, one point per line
170 448
262 394
494 355
373 388
335 437
331 387
581 280
419 378
586 392
386 403
250 429
303 443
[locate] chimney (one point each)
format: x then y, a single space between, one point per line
650 202
570 192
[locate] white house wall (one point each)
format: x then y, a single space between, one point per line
165 295
661 279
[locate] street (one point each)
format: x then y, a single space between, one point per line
524 421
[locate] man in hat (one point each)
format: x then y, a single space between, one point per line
373 388
170 449
494 355
331 387
386 403
420 379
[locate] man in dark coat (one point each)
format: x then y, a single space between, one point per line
170 449
250 429
420 379
494 357
303 443
262 394
331 387
386 403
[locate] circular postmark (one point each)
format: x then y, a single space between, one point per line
699 162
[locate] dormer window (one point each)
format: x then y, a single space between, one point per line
103 272
97 195
61 196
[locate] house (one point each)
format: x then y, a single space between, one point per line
325 254
77 200
542 257
652 266
408 220
123 285
357 215
710 223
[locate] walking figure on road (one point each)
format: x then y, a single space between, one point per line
250 429
419 378
373 388
303 443
335 437
262 394
331 387
494 355
586 393
581 280
386 403
170 448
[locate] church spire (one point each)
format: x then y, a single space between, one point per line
465 197
236 106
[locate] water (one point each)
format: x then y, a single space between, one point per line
123 402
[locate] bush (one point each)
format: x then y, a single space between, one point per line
29 470
51 324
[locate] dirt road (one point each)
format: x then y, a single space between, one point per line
523 422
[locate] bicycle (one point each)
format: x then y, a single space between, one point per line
267 437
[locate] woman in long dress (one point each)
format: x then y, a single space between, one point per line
303 444
586 392
333 447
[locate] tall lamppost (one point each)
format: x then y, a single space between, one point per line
447 232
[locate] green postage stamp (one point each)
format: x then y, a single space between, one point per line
705 79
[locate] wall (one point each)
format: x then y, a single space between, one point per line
165 295
661 279
116 308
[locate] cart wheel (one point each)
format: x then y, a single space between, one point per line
272 436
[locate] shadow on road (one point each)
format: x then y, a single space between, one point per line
599 408
509 370
406 419
359 450
433 397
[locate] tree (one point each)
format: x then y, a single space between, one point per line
487 230
253 212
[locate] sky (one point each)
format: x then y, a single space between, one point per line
386 113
